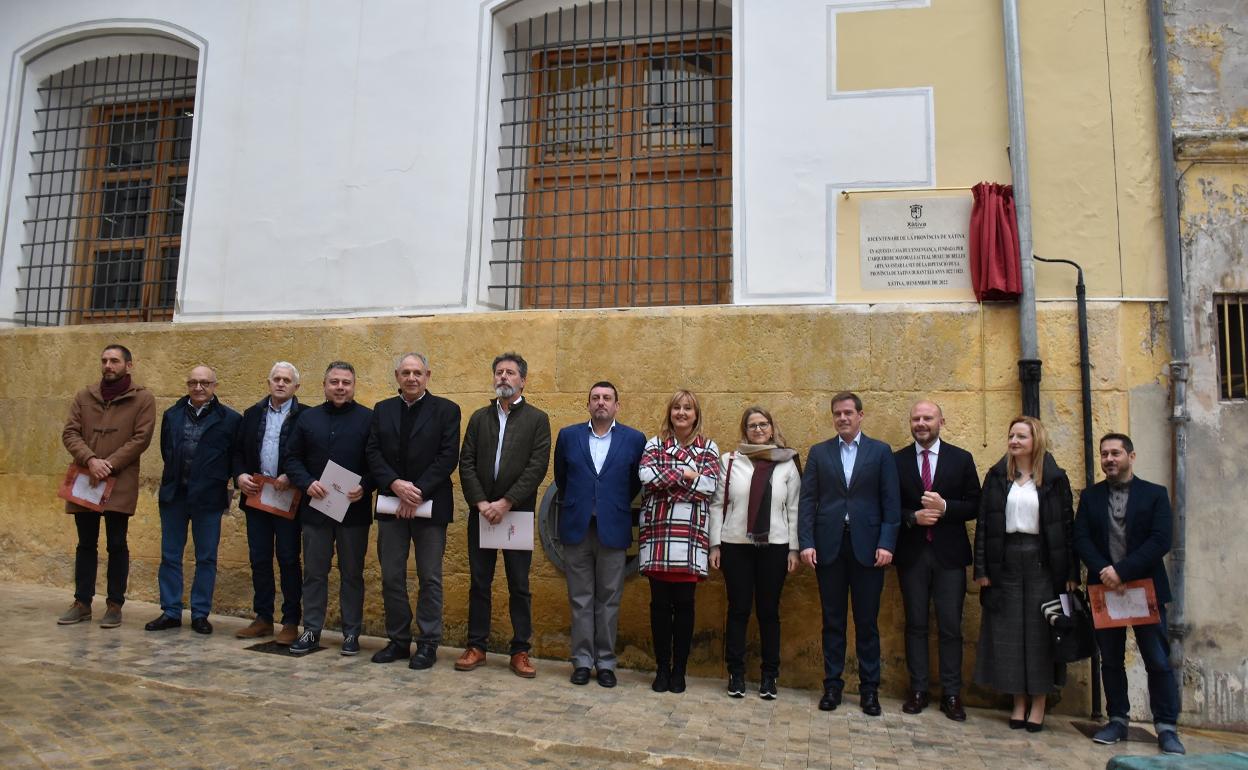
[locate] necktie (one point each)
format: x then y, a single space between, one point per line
925 473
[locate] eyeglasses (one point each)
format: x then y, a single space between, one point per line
200 383
758 426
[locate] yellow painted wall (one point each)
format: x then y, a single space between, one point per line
789 359
1090 128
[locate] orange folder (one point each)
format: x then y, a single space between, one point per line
85 491
1134 605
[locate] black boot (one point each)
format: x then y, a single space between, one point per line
662 677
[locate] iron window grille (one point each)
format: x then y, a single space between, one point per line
107 191
1231 346
615 157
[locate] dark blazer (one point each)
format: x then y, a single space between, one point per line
872 501
251 438
213 466
429 453
325 433
1057 515
607 495
1148 534
957 481
526 456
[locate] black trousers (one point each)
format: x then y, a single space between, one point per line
753 575
481 565
86 556
838 582
671 622
925 582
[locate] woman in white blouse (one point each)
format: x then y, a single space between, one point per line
753 532
1023 558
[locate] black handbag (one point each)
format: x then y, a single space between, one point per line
1073 636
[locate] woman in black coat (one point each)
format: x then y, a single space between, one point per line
1024 557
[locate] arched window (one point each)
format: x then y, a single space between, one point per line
615 157
108 183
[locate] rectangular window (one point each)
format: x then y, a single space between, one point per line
109 187
1231 346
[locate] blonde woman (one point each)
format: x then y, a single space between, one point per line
679 470
1024 557
754 541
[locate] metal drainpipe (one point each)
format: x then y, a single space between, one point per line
1029 365
1177 308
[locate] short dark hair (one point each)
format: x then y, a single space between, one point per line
605 384
125 351
846 395
516 359
1124 438
340 365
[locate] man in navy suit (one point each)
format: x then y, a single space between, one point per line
1122 532
596 472
847 522
939 495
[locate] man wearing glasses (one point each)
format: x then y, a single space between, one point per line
197 444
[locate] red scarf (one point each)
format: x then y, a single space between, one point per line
111 390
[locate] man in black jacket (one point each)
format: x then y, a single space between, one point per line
260 449
413 447
504 458
197 445
336 430
1122 533
939 495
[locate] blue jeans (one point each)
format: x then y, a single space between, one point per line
1163 690
267 534
206 532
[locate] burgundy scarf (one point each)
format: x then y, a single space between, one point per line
765 458
111 390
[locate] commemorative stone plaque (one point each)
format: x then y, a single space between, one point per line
915 243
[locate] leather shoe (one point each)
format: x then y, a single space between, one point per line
521 666
163 623
288 634
580 675
677 683
606 677
391 652
952 706
662 679
473 657
424 657
917 701
830 700
201 626
258 628
870 702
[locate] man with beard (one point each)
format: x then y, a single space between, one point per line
413 447
499 476
939 494
336 430
197 444
261 448
110 425
1122 532
847 522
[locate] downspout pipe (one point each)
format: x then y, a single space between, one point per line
1029 365
1177 310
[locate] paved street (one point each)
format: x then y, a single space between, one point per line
82 696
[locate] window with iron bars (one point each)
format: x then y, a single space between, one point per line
615 157
108 189
1232 347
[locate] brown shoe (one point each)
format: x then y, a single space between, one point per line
288 634
917 701
76 613
257 629
112 616
522 666
472 658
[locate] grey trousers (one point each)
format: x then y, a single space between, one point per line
428 539
595 576
318 553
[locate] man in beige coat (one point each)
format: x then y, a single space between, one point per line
110 425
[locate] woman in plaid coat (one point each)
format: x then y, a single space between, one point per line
679 472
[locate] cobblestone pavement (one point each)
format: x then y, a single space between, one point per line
82 696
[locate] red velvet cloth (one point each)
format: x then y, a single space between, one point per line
995 270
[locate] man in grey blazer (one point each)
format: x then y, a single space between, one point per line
848 517
504 458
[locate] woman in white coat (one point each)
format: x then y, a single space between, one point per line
753 535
